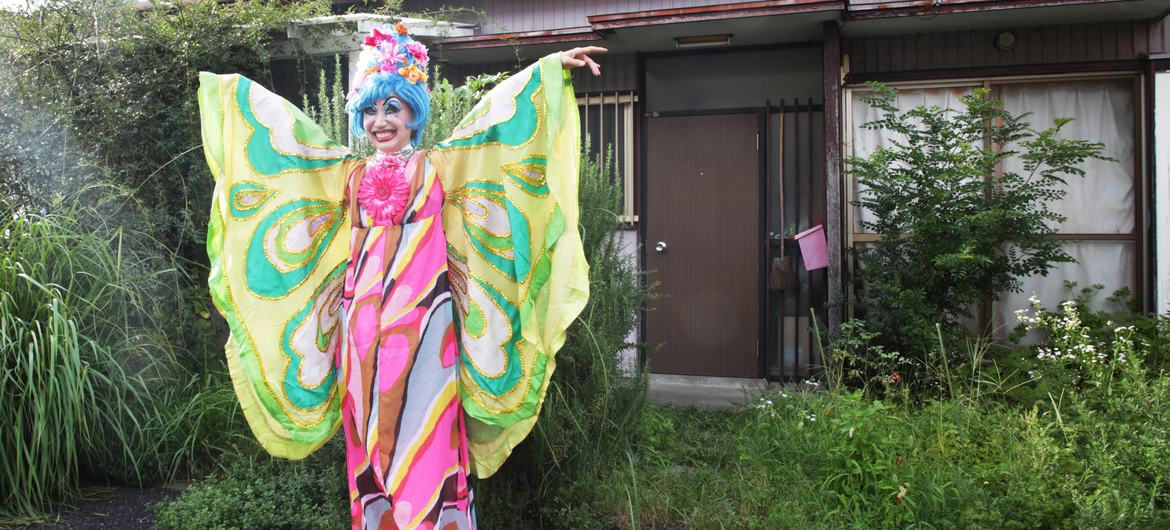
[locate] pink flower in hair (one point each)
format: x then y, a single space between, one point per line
392 55
377 37
384 191
419 52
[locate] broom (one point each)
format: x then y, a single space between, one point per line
782 275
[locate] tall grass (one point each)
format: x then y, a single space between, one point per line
92 387
45 389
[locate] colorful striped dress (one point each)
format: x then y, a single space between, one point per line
406 443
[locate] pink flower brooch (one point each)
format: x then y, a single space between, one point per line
384 190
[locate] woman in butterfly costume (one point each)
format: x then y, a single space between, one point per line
417 299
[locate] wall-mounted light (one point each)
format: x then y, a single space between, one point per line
1005 41
703 41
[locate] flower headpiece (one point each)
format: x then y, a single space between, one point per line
390 51
391 62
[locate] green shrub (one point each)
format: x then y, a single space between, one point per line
1150 333
105 200
116 87
44 402
1058 438
264 492
957 229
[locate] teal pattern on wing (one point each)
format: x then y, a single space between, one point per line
262 155
528 175
513 132
325 303
273 269
506 381
247 198
508 253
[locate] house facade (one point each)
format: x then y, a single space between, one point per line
730 122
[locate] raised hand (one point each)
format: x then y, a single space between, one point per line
578 57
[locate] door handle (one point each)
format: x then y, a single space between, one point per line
660 247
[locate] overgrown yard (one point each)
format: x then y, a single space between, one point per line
839 460
991 456
113 371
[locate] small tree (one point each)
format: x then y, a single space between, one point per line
958 226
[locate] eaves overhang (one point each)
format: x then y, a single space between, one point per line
714 12
892 17
602 27
871 9
784 21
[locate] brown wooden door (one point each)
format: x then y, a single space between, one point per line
703 243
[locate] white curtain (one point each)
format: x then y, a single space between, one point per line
1103 111
1109 263
1102 203
1161 198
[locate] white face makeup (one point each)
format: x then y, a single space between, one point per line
385 124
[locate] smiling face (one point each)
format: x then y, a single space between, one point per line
385 124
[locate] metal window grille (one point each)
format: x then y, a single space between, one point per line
607 121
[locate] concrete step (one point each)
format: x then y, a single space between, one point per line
703 392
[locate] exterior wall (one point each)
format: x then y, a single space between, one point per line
1104 41
743 79
514 16
619 73
1161 197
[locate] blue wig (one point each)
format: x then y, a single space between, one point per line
369 88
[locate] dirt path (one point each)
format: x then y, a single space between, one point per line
114 508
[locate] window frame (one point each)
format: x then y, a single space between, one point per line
624 104
1137 236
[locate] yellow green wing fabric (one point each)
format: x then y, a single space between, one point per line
517 269
278 242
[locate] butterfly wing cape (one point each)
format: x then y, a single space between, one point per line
517 268
278 247
278 242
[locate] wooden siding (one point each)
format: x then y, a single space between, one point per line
864 9
619 73
1077 43
516 16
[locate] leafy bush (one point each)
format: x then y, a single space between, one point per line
1100 326
856 358
115 86
1059 437
957 228
265 492
105 197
